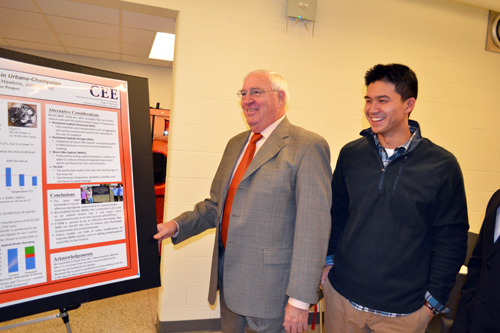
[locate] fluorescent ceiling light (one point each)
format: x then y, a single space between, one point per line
163 47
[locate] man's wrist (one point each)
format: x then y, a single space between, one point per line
177 232
434 311
298 304
435 304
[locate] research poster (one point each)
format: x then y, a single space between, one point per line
67 219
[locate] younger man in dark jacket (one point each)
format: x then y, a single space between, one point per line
399 218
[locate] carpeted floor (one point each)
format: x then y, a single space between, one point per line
130 313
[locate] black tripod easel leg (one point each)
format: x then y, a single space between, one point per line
65 316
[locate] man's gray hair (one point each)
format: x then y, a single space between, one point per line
276 80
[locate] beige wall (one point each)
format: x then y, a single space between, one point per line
218 41
159 78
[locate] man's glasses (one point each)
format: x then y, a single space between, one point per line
254 92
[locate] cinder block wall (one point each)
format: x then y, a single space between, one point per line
218 41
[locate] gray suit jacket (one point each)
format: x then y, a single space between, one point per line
280 222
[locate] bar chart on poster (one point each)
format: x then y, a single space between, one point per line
21 177
67 215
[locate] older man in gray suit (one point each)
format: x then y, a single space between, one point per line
271 213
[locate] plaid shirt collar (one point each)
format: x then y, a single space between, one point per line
398 151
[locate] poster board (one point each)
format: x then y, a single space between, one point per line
77 214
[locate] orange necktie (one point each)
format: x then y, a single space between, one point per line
238 174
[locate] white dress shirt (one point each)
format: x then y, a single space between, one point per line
497 226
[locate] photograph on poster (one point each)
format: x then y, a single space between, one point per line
22 115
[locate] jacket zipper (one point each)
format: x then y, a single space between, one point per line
384 168
399 173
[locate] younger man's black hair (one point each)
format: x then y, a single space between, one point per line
403 78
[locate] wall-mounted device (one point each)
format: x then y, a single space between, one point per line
302 10
493 35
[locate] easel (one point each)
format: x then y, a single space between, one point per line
63 315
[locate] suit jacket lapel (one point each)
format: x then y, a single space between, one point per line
271 147
232 157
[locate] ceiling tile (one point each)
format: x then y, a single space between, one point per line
31 35
138 36
19 18
37 46
122 31
78 10
148 22
90 43
93 54
135 50
84 28
27 5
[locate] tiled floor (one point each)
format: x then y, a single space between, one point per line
130 313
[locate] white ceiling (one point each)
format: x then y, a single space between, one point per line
105 29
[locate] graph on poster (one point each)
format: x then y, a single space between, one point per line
14 262
18 179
